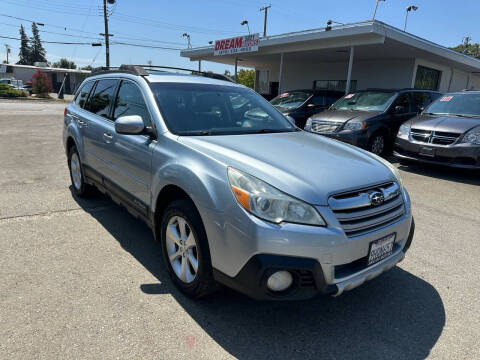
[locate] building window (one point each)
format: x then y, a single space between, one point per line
427 78
338 85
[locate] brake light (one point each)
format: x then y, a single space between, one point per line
65 111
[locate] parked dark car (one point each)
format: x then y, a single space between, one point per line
370 118
301 104
447 132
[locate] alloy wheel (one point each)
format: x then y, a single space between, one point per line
181 247
76 171
378 144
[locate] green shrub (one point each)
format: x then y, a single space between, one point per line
10 92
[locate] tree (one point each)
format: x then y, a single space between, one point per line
246 77
88 67
468 49
41 84
24 55
64 64
38 53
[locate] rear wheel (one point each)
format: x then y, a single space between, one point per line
185 249
80 188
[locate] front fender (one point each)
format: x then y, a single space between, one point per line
202 178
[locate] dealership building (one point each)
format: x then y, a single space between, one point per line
361 55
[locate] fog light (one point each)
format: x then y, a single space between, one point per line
279 281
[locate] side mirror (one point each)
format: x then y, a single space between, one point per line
129 125
399 109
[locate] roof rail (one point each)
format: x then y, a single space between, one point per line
128 69
193 72
142 70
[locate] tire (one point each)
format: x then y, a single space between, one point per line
377 144
80 188
185 249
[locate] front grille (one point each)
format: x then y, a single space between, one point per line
434 137
357 215
324 126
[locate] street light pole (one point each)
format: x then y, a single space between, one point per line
265 8
245 22
409 8
375 11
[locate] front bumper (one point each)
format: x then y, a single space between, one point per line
459 155
356 138
309 278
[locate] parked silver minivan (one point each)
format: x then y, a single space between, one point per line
235 193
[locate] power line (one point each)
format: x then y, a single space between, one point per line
50 42
145 46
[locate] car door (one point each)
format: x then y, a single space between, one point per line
400 111
98 127
77 114
129 156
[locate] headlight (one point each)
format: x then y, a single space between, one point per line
308 125
472 137
355 125
403 131
268 203
392 168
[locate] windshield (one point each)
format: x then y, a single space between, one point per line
456 104
201 109
365 100
290 100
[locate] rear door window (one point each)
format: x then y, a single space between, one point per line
101 101
130 101
404 101
82 94
421 100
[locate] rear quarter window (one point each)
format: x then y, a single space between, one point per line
82 94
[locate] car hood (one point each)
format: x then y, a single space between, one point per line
307 166
445 123
341 116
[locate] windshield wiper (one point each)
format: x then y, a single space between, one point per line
266 131
195 133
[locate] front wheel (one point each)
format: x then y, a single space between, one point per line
185 249
376 144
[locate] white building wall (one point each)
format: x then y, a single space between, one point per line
451 79
369 74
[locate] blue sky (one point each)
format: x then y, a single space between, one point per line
161 23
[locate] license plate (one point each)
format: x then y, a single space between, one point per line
380 249
426 151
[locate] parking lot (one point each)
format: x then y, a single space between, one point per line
82 279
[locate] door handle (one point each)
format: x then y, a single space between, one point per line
107 137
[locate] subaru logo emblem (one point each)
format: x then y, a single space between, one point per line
376 198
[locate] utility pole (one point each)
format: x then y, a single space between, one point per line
265 8
106 34
7 50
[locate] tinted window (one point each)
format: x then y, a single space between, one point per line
130 102
200 109
365 100
101 100
82 94
456 104
290 100
421 100
403 100
318 100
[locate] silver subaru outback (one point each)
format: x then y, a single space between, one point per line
235 193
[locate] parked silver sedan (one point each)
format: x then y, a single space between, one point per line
236 193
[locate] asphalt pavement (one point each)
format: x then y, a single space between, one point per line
82 279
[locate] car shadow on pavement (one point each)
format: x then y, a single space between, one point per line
398 315
464 176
